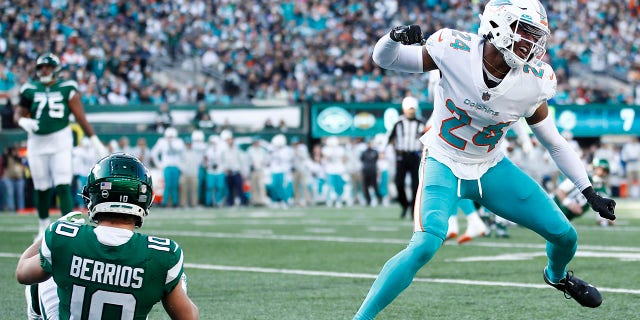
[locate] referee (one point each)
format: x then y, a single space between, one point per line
404 137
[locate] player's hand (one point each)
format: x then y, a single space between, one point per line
406 34
98 146
29 125
604 206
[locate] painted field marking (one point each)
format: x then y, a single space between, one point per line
373 276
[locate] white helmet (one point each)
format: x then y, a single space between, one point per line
279 140
500 22
170 132
409 103
197 136
226 134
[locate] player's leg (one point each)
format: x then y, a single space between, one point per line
42 183
209 185
401 175
60 168
48 296
33 307
521 200
435 200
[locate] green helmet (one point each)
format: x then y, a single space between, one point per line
48 59
602 163
119 183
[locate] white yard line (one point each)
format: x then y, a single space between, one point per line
266 236
373 276
364 276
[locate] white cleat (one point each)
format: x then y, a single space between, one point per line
454 229
475 228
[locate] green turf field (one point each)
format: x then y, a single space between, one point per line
319 263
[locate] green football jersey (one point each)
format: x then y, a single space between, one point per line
49 104
99 281
576 195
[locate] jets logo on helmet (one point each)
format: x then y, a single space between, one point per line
48 59
119 184
507 22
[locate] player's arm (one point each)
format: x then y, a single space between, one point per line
22 115
562 193
178 305
543 126
29 270
75 105
395 51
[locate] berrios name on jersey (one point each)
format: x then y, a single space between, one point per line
106 273
470 119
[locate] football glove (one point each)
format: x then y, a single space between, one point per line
406 35
604 206
29 125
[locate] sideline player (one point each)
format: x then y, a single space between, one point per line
109 270
43 111
489 81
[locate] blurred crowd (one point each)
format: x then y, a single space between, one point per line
217 170
293 50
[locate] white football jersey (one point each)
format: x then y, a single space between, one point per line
469 119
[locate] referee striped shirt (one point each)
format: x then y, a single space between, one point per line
405 134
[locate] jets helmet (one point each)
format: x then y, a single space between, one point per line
504 21
601 163
48 59
121 184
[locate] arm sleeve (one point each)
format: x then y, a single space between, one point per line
561 152
392 55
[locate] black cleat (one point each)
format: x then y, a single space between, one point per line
584 293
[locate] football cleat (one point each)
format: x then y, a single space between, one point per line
475 228
584 293
453 229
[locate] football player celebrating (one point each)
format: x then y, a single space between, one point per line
43 111
489 81
109 270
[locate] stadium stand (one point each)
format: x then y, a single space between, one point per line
223 52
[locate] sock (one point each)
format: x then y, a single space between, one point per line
560 252
42 227
43 202
64 196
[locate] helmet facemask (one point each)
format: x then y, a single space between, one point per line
518 29
533 50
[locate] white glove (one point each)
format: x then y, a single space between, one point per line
98 146
29 125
